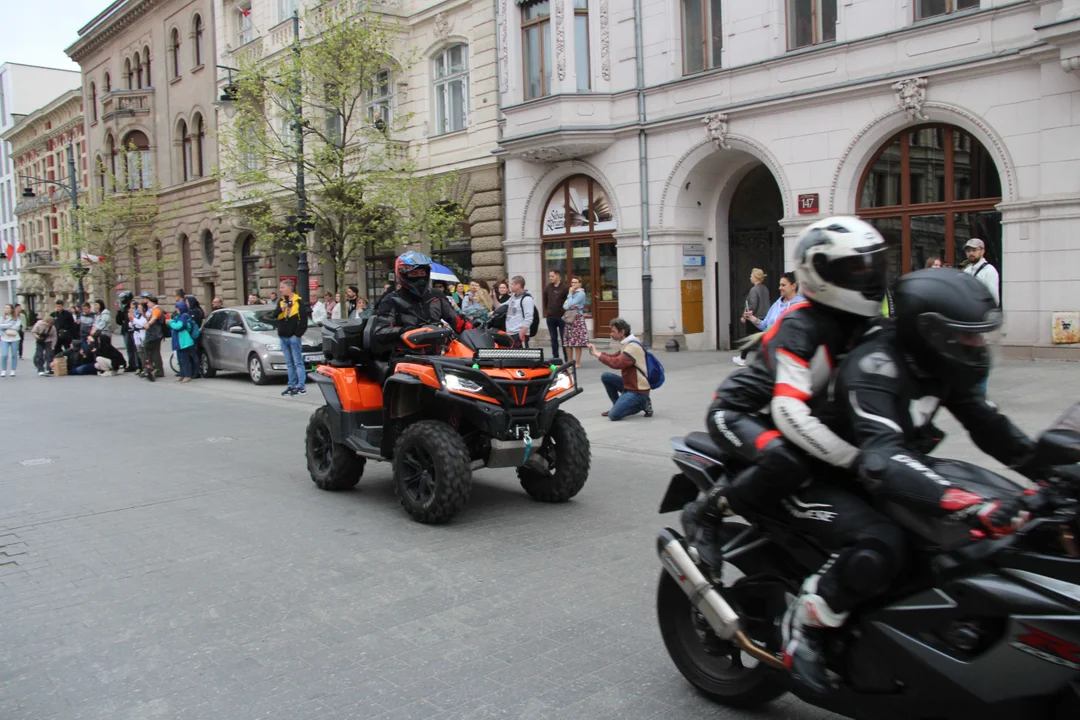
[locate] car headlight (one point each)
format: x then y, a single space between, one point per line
563 381
273 348
456 383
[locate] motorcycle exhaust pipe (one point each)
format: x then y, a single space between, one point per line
721 617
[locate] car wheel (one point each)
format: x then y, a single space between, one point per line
256 372
205 368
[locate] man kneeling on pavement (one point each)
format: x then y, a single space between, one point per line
629 391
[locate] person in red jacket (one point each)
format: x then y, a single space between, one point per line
629 391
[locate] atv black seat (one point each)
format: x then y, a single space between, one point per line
703 443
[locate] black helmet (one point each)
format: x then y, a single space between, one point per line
124 298
943 316
406 263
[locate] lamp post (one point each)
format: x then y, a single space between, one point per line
72 189
302 226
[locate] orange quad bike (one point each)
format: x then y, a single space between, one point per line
453 404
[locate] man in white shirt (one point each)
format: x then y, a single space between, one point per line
519 315
986 273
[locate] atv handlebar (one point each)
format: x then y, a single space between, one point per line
426 336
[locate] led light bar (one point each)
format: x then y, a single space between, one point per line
510 354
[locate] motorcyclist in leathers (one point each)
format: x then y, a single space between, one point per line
764 416
931 354
413 304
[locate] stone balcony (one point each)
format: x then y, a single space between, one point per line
127 103
563 127
36 259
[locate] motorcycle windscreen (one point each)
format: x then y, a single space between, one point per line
1060 444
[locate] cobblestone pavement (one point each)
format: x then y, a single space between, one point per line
163 554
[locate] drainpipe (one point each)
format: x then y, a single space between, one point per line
643 162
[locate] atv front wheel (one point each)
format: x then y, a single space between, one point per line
333 466
561 466
432 478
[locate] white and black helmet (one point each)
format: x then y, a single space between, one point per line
841 262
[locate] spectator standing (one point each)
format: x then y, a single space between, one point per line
125 307
318 312
502 293
9 341
102 319
155 333
363 309
216 304
86 321
183 341
757 305
137 317
555 294
629 390
352 294
254 299
291 321
45 335
981 269
933 262
66 327
576 332
22 320
519 314
273 298
330 301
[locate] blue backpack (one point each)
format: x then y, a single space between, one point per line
655 374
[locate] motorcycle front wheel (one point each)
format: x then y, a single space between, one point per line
716 668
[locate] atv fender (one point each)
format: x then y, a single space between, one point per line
333 401
404 393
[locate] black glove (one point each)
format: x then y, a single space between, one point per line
716 505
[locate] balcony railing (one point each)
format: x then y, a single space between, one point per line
127 103
37 258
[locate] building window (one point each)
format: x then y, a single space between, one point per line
811 22
146 64
137 70
197 33
245 31
451 89
536 48
108 83
198 137
174 52
932 8
335 118
138 175
208 248
929 190
110 152
128 79
185 150
93 102
703 38
581 45
286 8
249 151
379 100
99 165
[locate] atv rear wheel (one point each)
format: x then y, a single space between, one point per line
332 466
432 478
562 464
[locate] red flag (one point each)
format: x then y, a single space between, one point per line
21 249
246 12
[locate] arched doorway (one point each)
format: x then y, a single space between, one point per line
755 240
928 190
249 263
577 237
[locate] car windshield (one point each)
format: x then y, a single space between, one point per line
263 320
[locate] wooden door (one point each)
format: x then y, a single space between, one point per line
605 268
751 249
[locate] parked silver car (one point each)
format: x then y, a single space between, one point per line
244 339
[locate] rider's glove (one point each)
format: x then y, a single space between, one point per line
990 517
716 502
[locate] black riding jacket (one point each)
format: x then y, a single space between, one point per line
790 375
401 310
885 406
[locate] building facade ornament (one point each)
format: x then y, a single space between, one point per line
911 94
605 41
560 38
504 53
716 128
442 26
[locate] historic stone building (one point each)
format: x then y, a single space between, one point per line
689 154
453 95
149 85
40 145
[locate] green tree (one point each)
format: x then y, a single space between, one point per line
362 186
115 221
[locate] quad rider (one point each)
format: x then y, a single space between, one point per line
413 304
932 354
763 416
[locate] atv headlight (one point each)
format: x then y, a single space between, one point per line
563 382
456 383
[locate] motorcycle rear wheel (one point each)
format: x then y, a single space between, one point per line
717 669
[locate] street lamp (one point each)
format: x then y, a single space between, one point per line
71 186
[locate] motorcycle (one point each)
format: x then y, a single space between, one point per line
975 627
